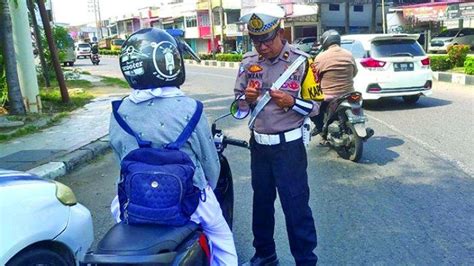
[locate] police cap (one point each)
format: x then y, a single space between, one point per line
263 21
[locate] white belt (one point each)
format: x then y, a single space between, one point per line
274 139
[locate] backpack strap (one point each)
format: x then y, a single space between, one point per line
188 130
126 127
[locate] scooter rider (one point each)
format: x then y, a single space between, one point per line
335 69
158 110
278 155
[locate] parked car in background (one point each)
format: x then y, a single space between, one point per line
42 223
68 56
390 65
83 50
305 43
449 37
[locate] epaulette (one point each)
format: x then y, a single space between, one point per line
250 54
299 52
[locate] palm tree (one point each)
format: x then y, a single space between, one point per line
15 98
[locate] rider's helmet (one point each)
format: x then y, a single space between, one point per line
150 59
329 38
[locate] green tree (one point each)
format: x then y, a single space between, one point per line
62 40
15 98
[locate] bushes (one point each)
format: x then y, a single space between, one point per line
229 57
440 63
457 54
108 52
469 66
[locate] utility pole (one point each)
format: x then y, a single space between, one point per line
347 16
94 7
221 18
54 52
39 44
383 16
211 24
24 55
373 24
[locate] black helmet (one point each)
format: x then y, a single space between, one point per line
329 38
151 58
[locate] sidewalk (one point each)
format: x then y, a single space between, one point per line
54 151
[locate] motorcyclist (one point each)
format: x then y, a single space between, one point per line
153 66
94 49
334 69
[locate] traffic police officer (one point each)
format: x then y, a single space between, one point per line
278 155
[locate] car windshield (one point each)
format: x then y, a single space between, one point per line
84 45
396 47
355 47
447 33
118 42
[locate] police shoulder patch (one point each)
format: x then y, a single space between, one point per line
299 52
249 54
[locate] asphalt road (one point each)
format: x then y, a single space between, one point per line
409 201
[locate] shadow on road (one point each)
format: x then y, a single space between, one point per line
396 104
377 150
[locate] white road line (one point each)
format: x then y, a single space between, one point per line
427 147
223 98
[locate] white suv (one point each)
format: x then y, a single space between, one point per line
390 65
449 37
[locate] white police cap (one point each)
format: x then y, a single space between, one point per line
263 19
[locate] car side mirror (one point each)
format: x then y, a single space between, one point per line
240 109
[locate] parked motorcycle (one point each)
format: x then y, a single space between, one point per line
166 245
344 126
95 59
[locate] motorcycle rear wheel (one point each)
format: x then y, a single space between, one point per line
353 151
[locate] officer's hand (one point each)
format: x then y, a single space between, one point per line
251 94
282 99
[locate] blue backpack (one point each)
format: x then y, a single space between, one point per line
156 184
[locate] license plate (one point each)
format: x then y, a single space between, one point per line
403 66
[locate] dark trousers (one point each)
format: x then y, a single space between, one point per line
282 168
318 120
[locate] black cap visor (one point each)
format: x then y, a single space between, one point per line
264 37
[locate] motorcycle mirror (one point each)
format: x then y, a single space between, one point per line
240 109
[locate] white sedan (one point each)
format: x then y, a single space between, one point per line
390 65
42 223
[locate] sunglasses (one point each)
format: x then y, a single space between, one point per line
266 43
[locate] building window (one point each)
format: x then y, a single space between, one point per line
333 7
191 22
204 21
358 8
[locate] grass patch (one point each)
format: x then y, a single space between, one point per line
73 83
116 82
52 102
85 72
30 127
457 70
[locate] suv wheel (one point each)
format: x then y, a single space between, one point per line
39 256
411 99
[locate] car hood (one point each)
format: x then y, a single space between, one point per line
442 39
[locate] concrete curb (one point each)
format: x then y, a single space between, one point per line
64 164
457 78
213 63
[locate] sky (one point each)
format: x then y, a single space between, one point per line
75 12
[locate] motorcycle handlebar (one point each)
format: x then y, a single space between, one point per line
236 142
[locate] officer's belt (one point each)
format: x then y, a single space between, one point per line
276 86
274 139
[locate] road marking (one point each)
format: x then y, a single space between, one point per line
223 98
427 147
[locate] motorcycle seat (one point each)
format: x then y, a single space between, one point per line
126 240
